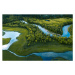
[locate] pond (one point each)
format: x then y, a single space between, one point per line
47 20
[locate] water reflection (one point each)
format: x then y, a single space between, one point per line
49 55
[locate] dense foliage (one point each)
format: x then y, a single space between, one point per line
14 17
71 29
34 34
54 25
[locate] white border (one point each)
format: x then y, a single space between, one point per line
37 67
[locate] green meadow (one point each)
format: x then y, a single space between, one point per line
8 56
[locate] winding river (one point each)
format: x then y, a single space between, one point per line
44 55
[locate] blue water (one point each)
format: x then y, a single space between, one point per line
49 55
24 21
65 31
10 34
45 31
46 20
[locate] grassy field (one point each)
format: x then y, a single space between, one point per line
6 40
7 56
20 47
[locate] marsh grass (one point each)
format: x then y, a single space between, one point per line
7 56
5 40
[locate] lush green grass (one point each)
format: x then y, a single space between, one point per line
7 56
6 40
21 48
49 46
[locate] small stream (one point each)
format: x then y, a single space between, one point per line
44 55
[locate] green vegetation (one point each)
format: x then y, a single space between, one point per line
7 56
6 40
3 33
36 35
64 40
54 25
10 18
22 47
71 29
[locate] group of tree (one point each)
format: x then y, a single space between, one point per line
14 17
54 25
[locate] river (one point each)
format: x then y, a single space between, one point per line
44 55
